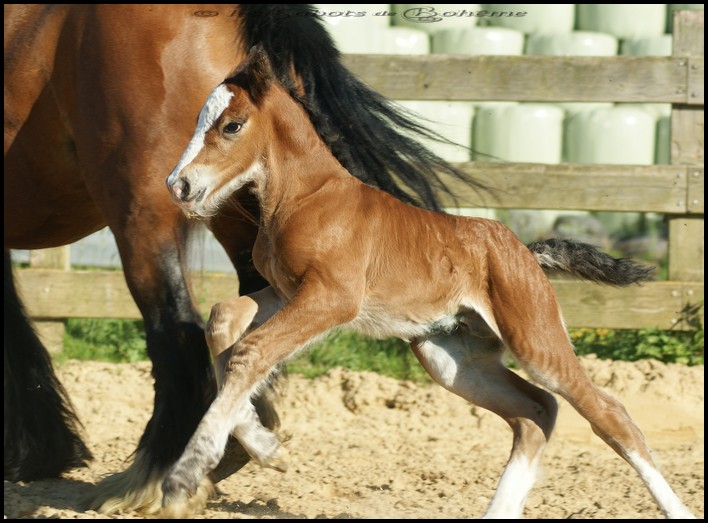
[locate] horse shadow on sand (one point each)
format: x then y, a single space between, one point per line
22 499
269 510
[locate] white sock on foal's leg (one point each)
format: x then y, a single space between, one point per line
668 501
514 485
260 443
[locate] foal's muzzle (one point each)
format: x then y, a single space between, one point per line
182 191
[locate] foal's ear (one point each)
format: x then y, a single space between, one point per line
255 75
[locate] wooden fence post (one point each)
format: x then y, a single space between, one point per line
51 332
686 232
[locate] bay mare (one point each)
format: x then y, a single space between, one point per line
100 101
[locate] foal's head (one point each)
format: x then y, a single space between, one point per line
229 145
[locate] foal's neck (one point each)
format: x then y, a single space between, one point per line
298 162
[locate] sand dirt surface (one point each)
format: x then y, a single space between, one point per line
366 446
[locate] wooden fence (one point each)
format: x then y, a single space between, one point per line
675 190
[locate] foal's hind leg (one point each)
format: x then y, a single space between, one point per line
559 370
470 366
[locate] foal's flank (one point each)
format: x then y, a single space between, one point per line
341 254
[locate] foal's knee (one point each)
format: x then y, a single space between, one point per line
536 426
531 434
227 323
547 411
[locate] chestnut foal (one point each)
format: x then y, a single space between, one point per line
341 254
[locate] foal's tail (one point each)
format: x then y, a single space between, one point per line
589 263
368 134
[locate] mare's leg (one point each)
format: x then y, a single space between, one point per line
469 364
151 234
236 228
41 429
125 162
316 309
184 382
45 204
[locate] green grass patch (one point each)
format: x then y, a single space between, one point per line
684 347
115 341
123 341
391 357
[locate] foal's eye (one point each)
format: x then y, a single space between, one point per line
232 127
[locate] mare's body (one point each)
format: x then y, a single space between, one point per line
100 101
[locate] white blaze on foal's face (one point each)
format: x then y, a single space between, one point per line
215 105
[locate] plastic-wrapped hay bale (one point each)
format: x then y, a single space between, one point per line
485 111
572 108
648 46
617 135
436 17
451 120
576 43
537 18
482 112
663 140
661 113
623 20
483 41
656 110
369 14
526 132
478 41
355 28
654 46
401 40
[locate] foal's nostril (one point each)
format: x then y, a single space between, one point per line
182 189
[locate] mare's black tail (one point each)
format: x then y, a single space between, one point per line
367 133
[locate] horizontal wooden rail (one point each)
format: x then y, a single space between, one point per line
645 79
54 294
667 189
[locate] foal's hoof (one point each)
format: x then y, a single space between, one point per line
177 503
278 461
235 458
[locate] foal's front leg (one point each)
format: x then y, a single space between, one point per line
314 311
230 320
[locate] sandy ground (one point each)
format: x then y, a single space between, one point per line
366 446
